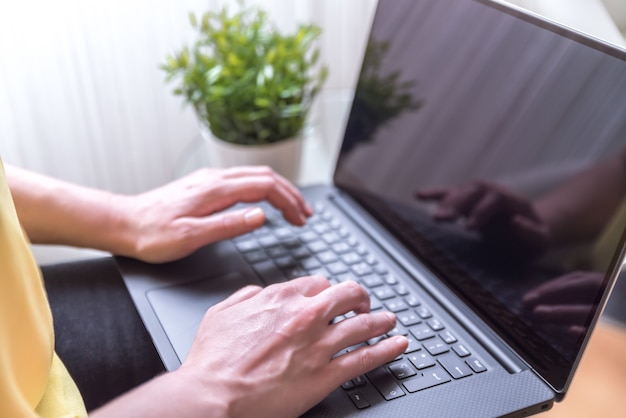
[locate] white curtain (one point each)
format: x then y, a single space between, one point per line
82 97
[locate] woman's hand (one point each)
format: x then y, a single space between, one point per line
174 220
269 353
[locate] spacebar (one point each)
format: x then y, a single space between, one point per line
385 384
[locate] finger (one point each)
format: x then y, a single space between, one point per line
310 285
342 298
198 232
458 202
239 296
284 184
575 287
258 188
485 208
549 292
432 193
365 359
562 314
360 328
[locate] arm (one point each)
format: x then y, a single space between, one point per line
273 357
582 206
160 225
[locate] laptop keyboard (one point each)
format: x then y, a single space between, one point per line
435 356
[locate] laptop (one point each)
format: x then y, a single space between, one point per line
451 92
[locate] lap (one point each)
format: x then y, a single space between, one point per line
98 332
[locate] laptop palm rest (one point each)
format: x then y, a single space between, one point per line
180 308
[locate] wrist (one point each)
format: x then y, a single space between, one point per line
204 394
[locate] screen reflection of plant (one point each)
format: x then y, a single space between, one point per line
379 98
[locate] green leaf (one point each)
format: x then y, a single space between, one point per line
247 80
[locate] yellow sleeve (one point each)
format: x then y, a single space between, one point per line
33 381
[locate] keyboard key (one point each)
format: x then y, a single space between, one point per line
330 238
455 366
268 272
408 319
326 257
386 385
275 252
317 246
436 347
361 269
412 301
384 293
423 312
390 279
396 305
285 262
337 268
247 245
422 332
402 370
320 228
371 281
421 360
375 304
414 345
358 399
476 365
434 377
350 258
398 330
461 350
282 233
340 247
381 269
295 272
310 263
255 256
308 237
347 385
401 290
435 324
448 337
300 252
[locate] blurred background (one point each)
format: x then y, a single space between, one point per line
82 97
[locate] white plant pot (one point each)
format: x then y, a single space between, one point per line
284 156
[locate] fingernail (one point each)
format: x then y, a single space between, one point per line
254 216
401 340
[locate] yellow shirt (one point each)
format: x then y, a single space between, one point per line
33 381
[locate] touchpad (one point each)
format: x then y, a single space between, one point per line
180 307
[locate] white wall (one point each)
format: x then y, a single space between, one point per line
82 98
81 95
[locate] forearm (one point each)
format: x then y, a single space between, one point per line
57 212
169 395
582 206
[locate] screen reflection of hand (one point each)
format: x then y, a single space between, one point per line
499 214
566 300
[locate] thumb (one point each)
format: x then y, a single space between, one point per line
230 224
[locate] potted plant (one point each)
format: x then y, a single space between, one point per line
250 85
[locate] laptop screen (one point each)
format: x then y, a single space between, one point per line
493 145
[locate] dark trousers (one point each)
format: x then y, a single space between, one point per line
99 335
